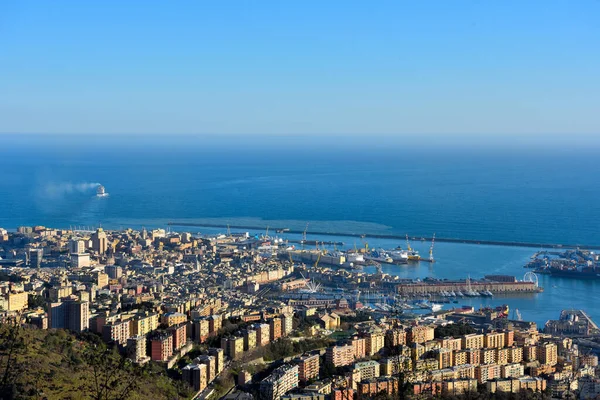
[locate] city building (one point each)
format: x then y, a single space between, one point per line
173 318
70 314
338 356
35 257
275 328
219 355
16 301
161 347
308 367
421 334
367 369
473 341
374 341
116 331
99 241
136 349
281 381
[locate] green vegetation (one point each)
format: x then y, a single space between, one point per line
453 330
55 364
36 301
286 348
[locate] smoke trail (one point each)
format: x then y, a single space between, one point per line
56 190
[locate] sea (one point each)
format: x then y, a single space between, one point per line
360 186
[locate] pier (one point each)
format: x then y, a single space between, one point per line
436 288
400 237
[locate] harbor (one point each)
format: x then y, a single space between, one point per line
397 236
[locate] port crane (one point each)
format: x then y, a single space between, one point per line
318 259
362 239
408 248
304 236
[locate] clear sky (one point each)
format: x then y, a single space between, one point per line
300 67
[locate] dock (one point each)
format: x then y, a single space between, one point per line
436 288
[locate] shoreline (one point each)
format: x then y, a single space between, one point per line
399 237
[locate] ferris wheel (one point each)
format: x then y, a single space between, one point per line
531 277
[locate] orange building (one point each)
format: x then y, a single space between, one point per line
161 348
275 328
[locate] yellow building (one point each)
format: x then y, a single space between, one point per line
488 356
547 353
515 354
16 301
144 324
472 341
374 342
502 356
170 319
444 357
494 340
421 334
460 357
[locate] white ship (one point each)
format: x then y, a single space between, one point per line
436 307
101 192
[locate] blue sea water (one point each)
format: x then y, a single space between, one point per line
532 195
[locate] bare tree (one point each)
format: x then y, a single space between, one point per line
110 377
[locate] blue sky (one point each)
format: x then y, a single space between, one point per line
304 67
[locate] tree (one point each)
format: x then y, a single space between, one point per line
12 343
110 377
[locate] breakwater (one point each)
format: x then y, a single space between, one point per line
400 237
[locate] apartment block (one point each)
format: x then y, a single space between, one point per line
367 369
374 341
201 330
263 334
547 353
275 328
70 314
179 336
250 339
161 347
420 334
473 341
512 370
281 381
338 356
484 373
360 347
502 356
308 367
136 349
488 356
494 340
144 324
395 337
219 355
450 343
445 358
116 331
